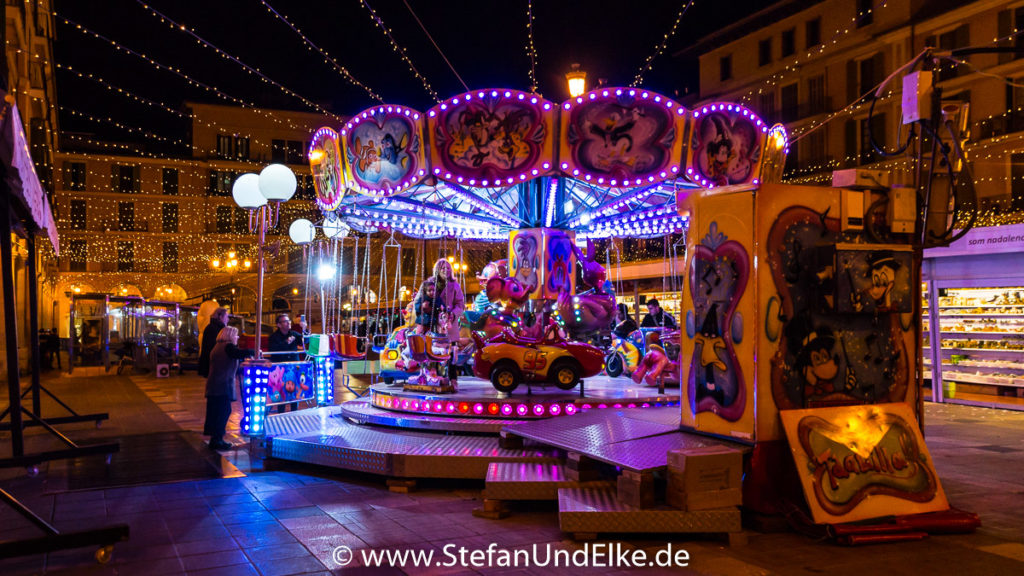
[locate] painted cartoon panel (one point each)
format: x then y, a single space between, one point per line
559 263
384 151
622 136
837 337
291 382
719 270
727 146
717 305
325 164
491 138
524 257
861 462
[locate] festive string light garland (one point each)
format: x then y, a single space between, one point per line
176 71
401 51
327 57
660 48
249 69
531 50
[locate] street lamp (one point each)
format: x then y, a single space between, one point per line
577 80
254 192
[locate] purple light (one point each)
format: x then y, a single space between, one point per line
555 410
570 409
506 409
522 410
538 409
450 407
478 408
602 406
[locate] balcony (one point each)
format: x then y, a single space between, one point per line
1000 126
805 110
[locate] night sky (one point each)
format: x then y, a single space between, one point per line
484 40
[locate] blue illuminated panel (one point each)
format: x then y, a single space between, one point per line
324 381
255 380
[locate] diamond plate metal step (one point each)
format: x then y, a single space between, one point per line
522 481
590 511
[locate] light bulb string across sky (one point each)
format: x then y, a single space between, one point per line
177 72
401 51
250 69
660 48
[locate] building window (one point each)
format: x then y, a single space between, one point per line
816 101
74 176
725 68
766 106
170 181
126 179
170 218
957 38
1017 183
812 32
232 147
1009 22
79 215
224 215
788 42
764 52
863 75
78 252
241 221
876 132
126 216
789 95
815 154
125 256
865 12
220 182
287 151
170 256
36 75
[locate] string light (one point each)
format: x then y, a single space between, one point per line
401 51
660 48
177 72
249 69
531 50
327 57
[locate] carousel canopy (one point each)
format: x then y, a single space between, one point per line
488 162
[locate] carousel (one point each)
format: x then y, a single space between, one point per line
548 179
797 337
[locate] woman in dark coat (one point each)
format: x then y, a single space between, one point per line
218 320
220 385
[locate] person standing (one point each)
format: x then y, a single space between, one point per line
218 320
448 298
284 339
220 385
656 317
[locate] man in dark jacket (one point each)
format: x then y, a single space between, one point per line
656 317
284 339
218 320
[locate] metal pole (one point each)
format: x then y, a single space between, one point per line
33 323
263 215
10 318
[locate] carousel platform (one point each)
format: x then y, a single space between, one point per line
325 437
476 398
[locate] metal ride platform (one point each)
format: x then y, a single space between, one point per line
629 438
324 437
363 412
478 398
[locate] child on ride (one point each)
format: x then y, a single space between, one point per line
423 305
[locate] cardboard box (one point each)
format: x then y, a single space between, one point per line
704 478
636 489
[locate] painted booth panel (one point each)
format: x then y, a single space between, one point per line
717 347
727 146
543 258
325 163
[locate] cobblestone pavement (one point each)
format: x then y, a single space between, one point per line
282 522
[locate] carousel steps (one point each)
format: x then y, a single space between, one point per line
587 512
541 481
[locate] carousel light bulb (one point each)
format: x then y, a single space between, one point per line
216 263
325 271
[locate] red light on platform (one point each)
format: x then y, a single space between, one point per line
464 407
492 409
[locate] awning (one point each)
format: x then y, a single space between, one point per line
21 173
